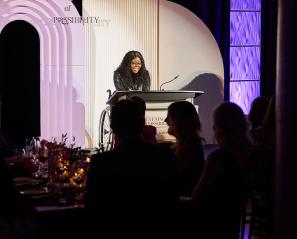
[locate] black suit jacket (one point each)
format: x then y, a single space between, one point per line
142 83
136 178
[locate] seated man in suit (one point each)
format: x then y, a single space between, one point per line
134 181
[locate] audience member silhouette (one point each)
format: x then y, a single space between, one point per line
258 111
7 146
268 127
184 123
149 132
256 116
221 190
19 165
261 172
134 184
16 212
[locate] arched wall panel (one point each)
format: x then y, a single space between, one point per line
61 64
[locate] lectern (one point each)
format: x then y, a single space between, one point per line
157 103
155 96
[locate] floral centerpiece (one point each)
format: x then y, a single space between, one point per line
67 165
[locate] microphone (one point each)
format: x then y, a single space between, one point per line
109 93
168 82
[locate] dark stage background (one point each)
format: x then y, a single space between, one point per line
20 81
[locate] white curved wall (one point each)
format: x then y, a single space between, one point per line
186 47
125 25
172 39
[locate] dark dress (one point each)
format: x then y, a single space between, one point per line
190 163
137 82
220 205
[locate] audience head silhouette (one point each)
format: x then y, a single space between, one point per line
139 102
230 126
183 120
269 118
126 119
257 111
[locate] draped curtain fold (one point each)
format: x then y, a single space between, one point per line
268 47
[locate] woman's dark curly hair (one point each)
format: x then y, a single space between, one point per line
125 67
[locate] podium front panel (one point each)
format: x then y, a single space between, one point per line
157 103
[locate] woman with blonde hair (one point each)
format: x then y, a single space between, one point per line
221 191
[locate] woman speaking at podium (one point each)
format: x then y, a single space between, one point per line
132 74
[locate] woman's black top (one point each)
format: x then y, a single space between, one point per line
137 82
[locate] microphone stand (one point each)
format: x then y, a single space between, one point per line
168 82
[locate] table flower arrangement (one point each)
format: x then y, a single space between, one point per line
67 166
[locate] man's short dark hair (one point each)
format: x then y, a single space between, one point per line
126 118
140 103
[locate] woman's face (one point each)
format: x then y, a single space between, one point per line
171 126
135 65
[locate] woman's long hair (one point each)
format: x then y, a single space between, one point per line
257 111
269 121
186 120
125 67
231 130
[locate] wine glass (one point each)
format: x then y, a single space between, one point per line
43 153
19 152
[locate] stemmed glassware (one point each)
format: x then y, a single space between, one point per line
37 153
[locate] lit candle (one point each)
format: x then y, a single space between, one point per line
80 171
65 174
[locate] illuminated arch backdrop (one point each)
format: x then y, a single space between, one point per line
61 64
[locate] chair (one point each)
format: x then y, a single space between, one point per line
247 218
258 213
106 136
